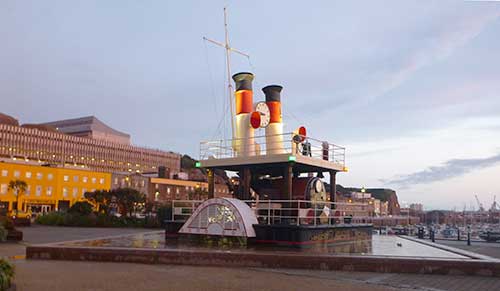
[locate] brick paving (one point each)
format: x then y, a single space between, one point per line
405 281
76 276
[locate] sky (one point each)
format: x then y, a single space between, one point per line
410 88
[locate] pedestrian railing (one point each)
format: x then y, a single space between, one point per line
287 143
296 212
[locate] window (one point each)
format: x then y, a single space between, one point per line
66 178
5 173
28 190
168 190
38 190
39 176
101 181
176 190
3 189
50 176
116 181
65 192
17 174
143 183
49 191
75 192
83 192
94 180
28 175
85 179
75 179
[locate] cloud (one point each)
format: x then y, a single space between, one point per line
450 169
438 46
376 151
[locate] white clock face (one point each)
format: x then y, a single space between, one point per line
265 114
319 186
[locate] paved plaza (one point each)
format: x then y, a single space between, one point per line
72 275
484 248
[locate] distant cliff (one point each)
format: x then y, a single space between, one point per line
382 194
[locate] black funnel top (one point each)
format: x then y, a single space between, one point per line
243 81
273 93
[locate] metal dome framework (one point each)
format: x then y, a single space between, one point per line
222 217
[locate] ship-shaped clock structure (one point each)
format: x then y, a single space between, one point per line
281 197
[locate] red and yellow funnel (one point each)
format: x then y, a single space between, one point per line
244 144
274 131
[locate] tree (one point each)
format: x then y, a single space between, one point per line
19 187
101 199
128 199
81 207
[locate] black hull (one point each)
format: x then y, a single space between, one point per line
304 236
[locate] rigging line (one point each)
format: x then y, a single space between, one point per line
227 103
213 91
221 127
211 76
293 116
251 64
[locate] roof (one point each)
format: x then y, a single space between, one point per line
6 119
86 124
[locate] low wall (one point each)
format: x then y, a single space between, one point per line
268 260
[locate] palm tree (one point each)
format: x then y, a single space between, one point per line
19 187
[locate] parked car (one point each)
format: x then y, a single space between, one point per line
20 214
21 217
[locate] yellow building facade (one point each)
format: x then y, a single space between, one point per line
49 188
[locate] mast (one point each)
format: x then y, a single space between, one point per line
228 49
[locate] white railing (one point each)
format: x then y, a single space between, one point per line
287 143
293 212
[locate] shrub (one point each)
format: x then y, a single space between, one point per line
7 222
164 213
72 219
152 222
3 233
81 207
91 220
52 218
6 274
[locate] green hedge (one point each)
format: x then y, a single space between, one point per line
77 217
6 274
3 233
93 220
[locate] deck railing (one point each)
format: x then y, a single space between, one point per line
294 212
287 143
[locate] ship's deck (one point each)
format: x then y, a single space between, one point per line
302 163
307 154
